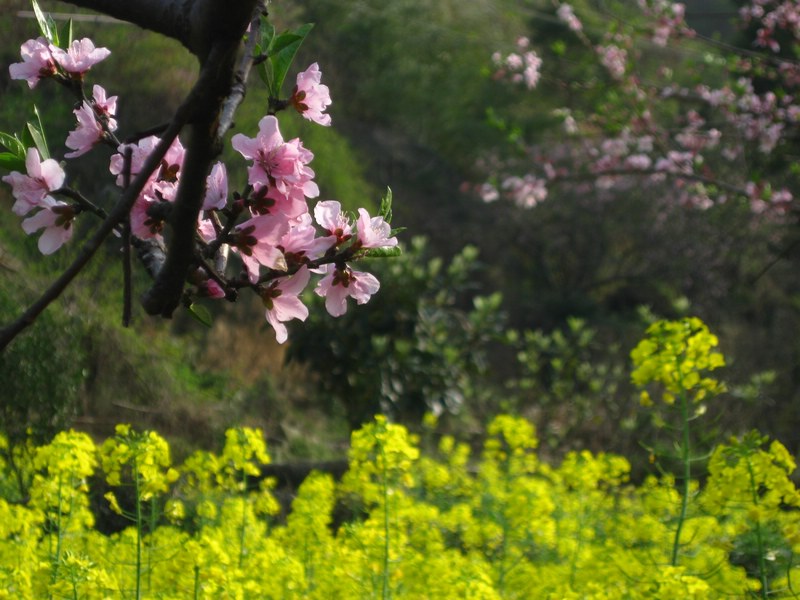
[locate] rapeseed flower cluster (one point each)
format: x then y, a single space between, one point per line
499 523
678 355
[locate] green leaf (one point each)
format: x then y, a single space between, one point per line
386 206
37 135
38 141
282 53
67 34
264 69
201 314
267 35
383 252
14 146
12 162
46 24
558 47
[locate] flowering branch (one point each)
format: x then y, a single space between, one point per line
115 217
164 183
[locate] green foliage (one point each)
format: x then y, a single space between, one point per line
41 376
417 64
570 380
417 346
280 51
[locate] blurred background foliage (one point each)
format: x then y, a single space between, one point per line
491 307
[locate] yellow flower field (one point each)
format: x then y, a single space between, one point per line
403 523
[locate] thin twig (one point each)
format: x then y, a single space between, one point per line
82 201
127 286
115 217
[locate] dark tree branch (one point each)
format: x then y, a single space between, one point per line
224 74
165 294
197 24
167 17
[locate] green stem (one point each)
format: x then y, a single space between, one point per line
687 472
138 532
196 582
150 543
386 592
762 566
59 535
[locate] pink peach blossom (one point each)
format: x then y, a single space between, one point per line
216 188
301 242
310 97
339 284
105 106
275 162
37 62
44 176
374 232
87 134
270 200
282 303
330 217
143 225
79 57
56 219
256 240
212 289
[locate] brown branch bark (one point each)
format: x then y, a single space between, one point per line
167 17
223 79
197 24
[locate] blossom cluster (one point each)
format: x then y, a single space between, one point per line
567 14
697 135
667 20
269 225
522 66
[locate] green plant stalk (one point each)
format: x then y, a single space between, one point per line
308 566
762 567
59 536
152 516
196 594
687 468
138 532
789 585
385 592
